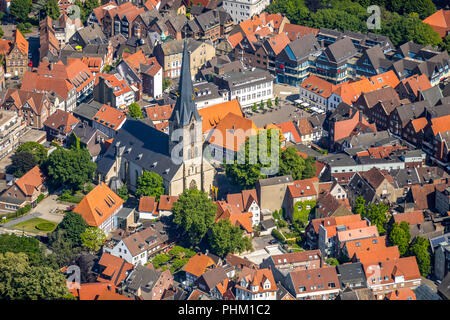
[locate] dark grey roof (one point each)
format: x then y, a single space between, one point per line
432 95
439 111
358 186
197 9
404 177
351 273
304 46
424 292
87 110
137 137
84 131
124 212
411 111
185 108
214 276
341 50
310 152
338 159
267 224
446 90
282 291
142 277
90 34
444 287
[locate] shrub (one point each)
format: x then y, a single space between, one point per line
45 226
40 197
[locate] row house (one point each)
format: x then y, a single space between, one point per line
144 283
296 61
196 267
238 218
256 284
112 89
33 107
60 125
412 87
242 10
435 139
142 73
401 116
282 264
299 192
16 56
314 284
246 201
211 25
316 92
73 82
139 247
169 56
388 276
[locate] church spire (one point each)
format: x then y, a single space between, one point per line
185 107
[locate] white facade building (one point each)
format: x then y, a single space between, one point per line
241 10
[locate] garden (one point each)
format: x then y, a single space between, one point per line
36 225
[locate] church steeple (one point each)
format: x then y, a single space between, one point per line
185 107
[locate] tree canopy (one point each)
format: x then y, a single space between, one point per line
134 110
150 184
400 237
52 9
20 9
21 280
22 162
225 238
70 167
194 213
419 249
36 149
74 225
93 239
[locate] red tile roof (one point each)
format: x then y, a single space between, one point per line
318 86
235 215
289 126
62 121
440 124
401 294
413 217
278 42
198 264
303 188
166 202
256 277
97 291
294 31
147 204
31 181
116 269
440 22
98 205
211 116
159 113
110 117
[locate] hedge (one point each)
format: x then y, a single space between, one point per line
40 197
277 235
45 226
19 212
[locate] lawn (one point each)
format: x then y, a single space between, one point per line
36 225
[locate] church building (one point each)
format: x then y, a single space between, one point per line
177 157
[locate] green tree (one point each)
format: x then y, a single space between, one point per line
376 213
70 167
63 249
123 192
52 9
22 162
2 33
269 103
160 260
277 102
194 213
74 225
225 238
254 107
21 281
400 236
419 249
360 206
292 163
446 43
302 211
332 261
246 171
150 184
38 151
93 239
135 111
20 9
310 169
424 8
261 105
22 244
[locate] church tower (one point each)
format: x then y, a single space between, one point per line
185 129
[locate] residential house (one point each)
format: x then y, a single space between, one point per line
145 283
33 107
113 270
240 10
112 89
314 284
23 191
93 139
16 58
299 193
59 125
256 284
236 216
351 275
440 22
137 248
271 192
387 276
12 128
169 56
197 266
246 201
